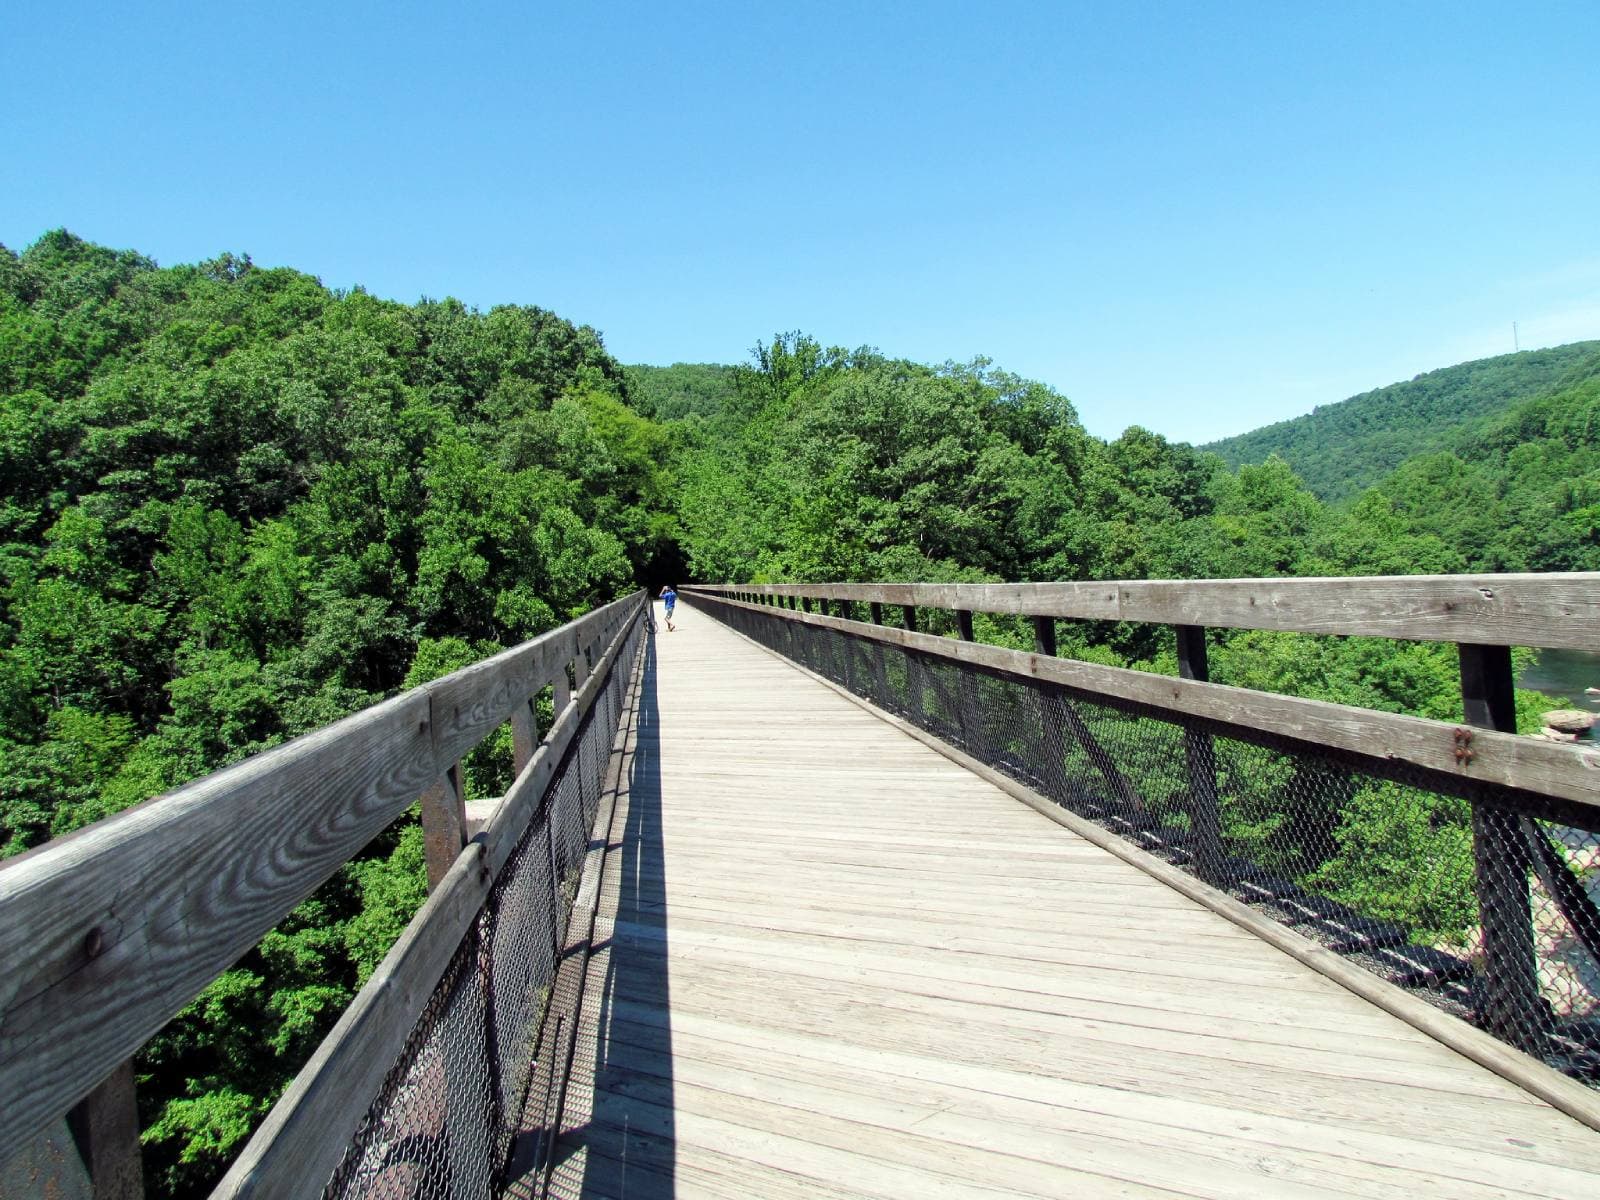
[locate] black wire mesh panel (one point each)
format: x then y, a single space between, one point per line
442 1124
1479 898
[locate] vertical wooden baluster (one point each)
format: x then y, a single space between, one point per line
105 1128
1052 743
971 681
914 685
880 669
848 644
444 824
1205 816
524 736
1512 1008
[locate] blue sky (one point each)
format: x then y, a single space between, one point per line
1198 218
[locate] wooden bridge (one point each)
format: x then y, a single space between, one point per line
887 914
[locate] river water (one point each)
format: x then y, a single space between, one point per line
1564 674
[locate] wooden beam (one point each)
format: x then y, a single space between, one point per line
109 931
1512 1007
1570 774
1557 611
524 736
105 1128
1205 814
299 1144
444 824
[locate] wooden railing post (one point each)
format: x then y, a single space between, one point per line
880 669
561 689
1044 636
1512 1008
444 824
1205 816
914 685
847 644
1052 742
581 665
971 712
105 1127
524 736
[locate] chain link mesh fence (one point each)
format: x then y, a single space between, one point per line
443 1122
1479 898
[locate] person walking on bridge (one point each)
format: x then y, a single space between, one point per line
669 601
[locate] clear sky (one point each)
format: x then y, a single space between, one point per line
1194 217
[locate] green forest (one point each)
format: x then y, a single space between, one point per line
239 505
1342 449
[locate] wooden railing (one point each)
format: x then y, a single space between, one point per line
106 933
1510 779
1484 614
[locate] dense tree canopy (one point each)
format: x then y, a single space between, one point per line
1342 449
237 505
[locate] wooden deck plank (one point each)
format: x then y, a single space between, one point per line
833 963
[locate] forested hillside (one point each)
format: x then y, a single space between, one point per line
1341 449
681 390
238 505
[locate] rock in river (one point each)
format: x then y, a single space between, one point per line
1568 720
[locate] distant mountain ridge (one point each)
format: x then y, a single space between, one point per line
1341 449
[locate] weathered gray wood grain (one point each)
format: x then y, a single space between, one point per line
1557 611
108 932
302 1140
470 703
300 1143
1567 772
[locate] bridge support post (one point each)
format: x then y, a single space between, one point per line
105 1126
1511 1007
1052 706
880 669
1205 815
562 690
913 667
444 824
971 718
847 644
524 736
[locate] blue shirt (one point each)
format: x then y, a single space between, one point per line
669 598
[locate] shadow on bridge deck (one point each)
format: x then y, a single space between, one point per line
622 1142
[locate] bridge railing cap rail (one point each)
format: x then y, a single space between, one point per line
107 932
1551 611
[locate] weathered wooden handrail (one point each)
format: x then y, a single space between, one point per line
1567 772
105 934
1557 611
299 1144
1434 608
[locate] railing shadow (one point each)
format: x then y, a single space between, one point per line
627 1143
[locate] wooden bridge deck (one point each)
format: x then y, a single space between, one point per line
832 963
